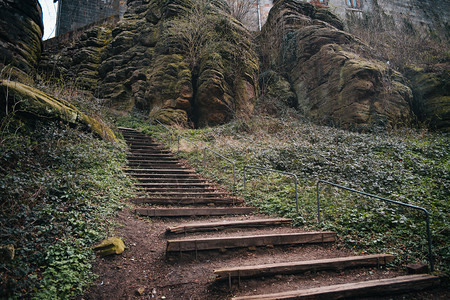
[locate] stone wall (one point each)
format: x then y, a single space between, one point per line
73 14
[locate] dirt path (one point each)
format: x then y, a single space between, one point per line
144 266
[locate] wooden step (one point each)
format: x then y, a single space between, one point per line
151 156
188 201
150 151
152 162
185 191
170 195
304 266
165 171
168 180
162 176
148 165
175 184
217 226
379 287
190 212
249 241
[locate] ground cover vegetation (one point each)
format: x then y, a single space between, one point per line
59 188
410 166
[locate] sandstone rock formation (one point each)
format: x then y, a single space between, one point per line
431 90
331 73
181 61
21 32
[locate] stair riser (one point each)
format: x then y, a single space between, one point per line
249 241
194 212
335 264
199 227
199 201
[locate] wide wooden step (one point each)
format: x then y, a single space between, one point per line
249 241
217 226
157 166
149 151
190 212
175 184
151 163
159 171
293 267
162 176
169 195
155 156
188 201
379 287
168 180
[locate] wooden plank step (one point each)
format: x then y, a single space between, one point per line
190 212
150 150
185 191
216 226
155 162
150 156
175 184
189 195
168 180
170 176
138 138
379 287
304 266
153 170
249 241
156 154
169 164
187 201
135 145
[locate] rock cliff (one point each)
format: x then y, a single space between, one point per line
181 61
21 31
331 71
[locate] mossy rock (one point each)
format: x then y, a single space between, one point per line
110 246
31 103
171 116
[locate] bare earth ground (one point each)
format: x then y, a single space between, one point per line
144 272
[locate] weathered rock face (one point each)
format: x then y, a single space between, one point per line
182 61
31 104
431 90
334 79
21 31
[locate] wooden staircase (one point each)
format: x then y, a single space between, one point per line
171 189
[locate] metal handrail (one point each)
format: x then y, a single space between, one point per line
186 139
223 157
430 254
168 129
280 172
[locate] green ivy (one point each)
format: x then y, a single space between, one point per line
59 190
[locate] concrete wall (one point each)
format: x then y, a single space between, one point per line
73 14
